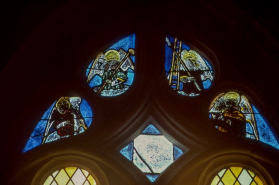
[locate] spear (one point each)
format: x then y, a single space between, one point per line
130 52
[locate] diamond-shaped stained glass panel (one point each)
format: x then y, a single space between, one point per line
151 152
70 170
245 178
228 178
62 177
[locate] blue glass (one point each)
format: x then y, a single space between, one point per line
168 58
47 113
207 64
152 178
36 136
130 79
249 128
265 133
96 81
32 143
177 152
90 65
38 133
101 74
186 70
206 84
125 44
151 152
127 151
151 130
85 109
39 129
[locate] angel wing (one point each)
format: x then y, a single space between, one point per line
216 103
247 110
97 67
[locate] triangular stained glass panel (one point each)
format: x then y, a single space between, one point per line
236 171
127 151
152 178
265 133
70 171
177 152
151 130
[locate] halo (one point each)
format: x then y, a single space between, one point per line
190 56
112 55
232 96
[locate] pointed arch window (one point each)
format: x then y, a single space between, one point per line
68 116
187 71
233 113
111 73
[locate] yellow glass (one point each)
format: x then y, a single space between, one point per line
70 176
235 175
70 170
91 180
236 171
237 183
251 173
258 180
228 178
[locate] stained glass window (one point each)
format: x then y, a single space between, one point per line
151 152
236 176
187 71
70 176
232 112
66 117
111 73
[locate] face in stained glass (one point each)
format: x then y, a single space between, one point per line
233 113
111 73
151 152
68 116
236 175
187 72
70 176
